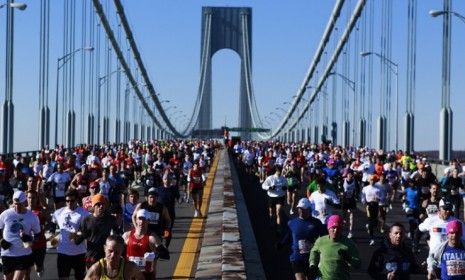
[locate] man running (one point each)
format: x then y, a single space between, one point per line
17 226
68 219
113 266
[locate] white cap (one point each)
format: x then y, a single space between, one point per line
304 203
19 196
142 213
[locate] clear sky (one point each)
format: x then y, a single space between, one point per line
285 37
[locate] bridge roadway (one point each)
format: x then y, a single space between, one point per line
213 247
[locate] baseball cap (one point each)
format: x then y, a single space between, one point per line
153 191
335 221
446 204
454 226
304 203
142 213
19 196
98 198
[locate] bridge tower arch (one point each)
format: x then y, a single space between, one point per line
226 28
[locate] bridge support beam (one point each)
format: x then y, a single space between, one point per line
381 132
226 28
408 134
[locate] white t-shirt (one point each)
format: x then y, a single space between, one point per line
12 224
68 221
384 191
437 230
370 194
278 182
61 179
320 207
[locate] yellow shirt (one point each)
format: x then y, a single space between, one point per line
104 276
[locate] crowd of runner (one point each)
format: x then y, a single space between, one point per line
108 210
322 186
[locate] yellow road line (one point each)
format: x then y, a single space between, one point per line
191 248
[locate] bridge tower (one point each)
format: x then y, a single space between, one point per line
226 28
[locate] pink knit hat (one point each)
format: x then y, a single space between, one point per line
335 221
454 226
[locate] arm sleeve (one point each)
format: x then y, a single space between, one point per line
314 258
35 225
84 231
414 266
425 225
266 184
432 260
374 268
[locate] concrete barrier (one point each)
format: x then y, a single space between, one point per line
228 231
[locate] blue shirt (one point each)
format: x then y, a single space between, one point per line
304 233
412 197
453 263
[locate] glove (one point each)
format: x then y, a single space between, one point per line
5 244
166 233
26 238
313 272
149 256
163 253
344 255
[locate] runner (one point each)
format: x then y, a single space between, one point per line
18 225
59 183
322 201
68 220
348 199
113 266
39 246
370 198
448 259
95 229
333 255
141 246
304 230
291 172
196 183
275 185
159 222
393 260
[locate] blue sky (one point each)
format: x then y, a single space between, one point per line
285 37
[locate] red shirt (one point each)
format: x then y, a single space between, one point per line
136 249
196 181
40 242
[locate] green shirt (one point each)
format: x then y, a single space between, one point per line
334 258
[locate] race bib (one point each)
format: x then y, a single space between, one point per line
304 246
391 266
139 261
455 267
153 218
291 181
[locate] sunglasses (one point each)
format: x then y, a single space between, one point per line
70 200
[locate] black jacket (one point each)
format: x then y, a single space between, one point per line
388 258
